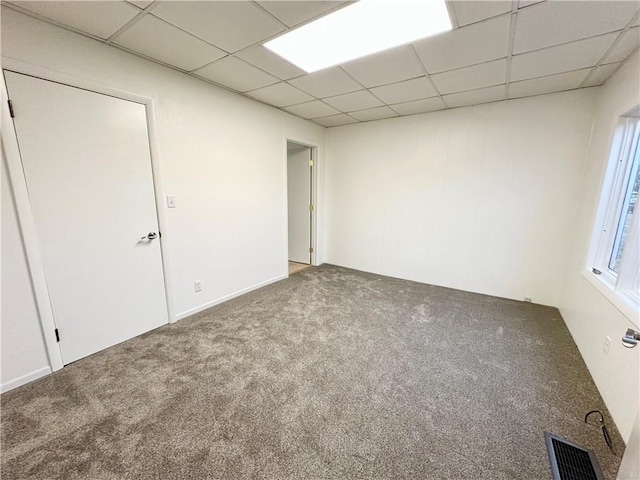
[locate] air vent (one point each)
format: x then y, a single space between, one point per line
570 461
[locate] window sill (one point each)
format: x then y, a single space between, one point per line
626 304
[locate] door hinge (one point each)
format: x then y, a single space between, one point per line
160 233
310 249
13 115
57 336
311 208
311 163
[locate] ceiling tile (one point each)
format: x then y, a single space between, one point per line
294 12
552 23
270 62
228 25
474 97
236 74
628 42
335 120
552 83
472 78
526 3
474 11
326 83
377 113
563 58
141 3
477 43
350 102
419 106
101 18
386 67
281 95
312 109
405 91
601 74
160 40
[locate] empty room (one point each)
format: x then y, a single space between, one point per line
375 239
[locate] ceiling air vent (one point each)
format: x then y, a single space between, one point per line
570 461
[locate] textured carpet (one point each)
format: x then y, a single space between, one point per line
330 374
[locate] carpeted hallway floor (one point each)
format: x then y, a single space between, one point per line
330 374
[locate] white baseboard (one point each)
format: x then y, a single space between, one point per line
192 311
29 377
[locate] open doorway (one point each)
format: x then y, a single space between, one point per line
300 164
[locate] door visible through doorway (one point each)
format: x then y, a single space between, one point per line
300 204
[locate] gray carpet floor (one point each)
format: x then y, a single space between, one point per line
329 374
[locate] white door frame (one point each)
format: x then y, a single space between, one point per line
23 206
314 198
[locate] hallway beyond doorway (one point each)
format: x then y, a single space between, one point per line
295 267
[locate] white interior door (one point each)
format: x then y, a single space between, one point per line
87 164
299 199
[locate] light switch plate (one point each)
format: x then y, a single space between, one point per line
171 201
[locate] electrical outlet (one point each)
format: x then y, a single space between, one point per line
198 285
527 299
606 345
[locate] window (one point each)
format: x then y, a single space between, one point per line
626 213
617 236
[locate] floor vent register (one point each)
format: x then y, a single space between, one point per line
570 461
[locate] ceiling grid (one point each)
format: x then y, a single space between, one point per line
496 50
512 34
626 31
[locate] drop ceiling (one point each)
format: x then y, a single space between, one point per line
497 50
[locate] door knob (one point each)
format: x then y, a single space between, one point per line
150 236
631 338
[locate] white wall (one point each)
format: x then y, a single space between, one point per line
23 356
222 155
630 466
588 314
481 198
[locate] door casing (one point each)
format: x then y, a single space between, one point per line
299 171
25 216
314 197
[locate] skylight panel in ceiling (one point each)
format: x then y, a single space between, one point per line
364 28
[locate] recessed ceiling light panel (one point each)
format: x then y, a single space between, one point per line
366 27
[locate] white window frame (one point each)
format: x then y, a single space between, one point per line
623 149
